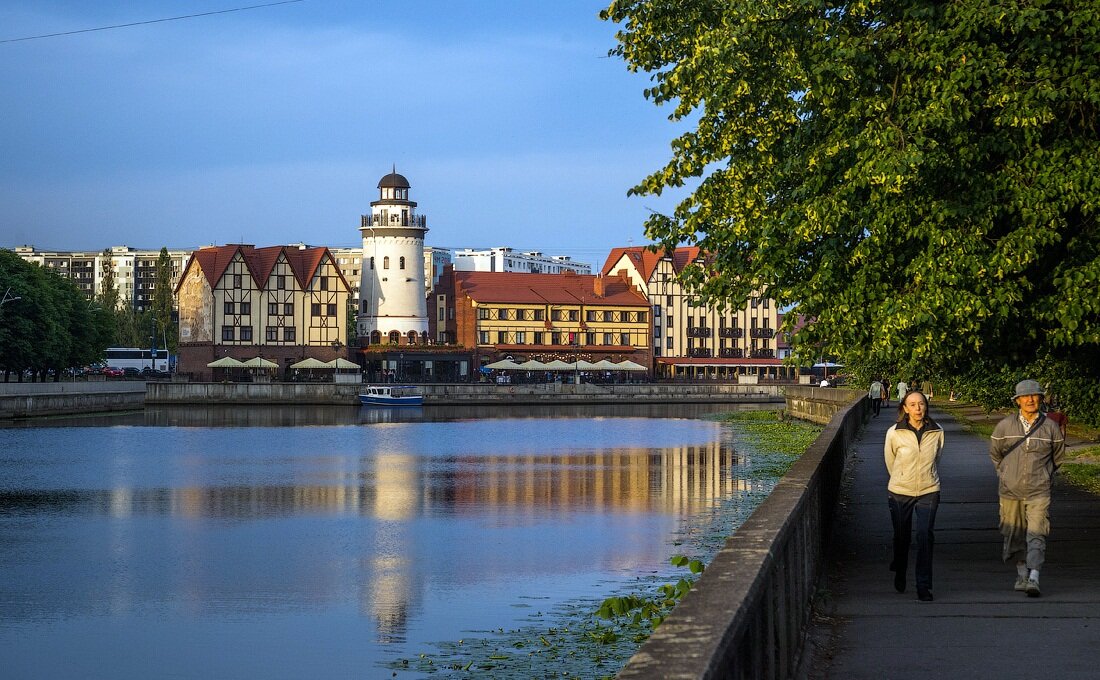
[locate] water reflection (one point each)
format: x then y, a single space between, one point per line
130 545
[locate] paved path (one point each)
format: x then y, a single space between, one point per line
978 626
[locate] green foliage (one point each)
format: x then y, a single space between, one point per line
163 299
1083 475
51 326
920 179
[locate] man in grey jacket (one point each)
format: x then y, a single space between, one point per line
1027 448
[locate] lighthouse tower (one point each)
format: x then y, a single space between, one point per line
392 306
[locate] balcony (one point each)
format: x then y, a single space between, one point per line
700 353
731 353
731 332
762 354
420 221
761 332
698 332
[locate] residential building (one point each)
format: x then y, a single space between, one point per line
509 260
545 317
135 271
693 340
281 303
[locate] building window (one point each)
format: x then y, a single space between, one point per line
643 317
272 310
624 339
442 313
288 333
483 313
386 262
590 338
521 338
238 281
288 309
536 338
608 316
502 337
668 301
372 264
656 311
668 342
590 315
668 321
331 309
229 307
401 262
246 308
227 333
315 309
483 337
573 314
280 282
656 332
246 333
607 338
271 334
555 338
540 315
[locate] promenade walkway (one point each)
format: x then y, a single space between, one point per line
978 626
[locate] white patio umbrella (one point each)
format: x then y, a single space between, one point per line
225 362
503 365
340 362
311 363
583 365
532 365
605 365
260 362
629 365
559 365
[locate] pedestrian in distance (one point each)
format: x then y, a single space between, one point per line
903 389
874 393
926 388
1027 448
912 451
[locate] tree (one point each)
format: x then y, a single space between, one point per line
918 178
163 299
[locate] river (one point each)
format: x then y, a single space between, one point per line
329 541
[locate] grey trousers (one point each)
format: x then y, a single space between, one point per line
1025 526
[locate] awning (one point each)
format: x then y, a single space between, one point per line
340 362
532 365
629 365
559 365
503 365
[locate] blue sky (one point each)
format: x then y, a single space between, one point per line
274 125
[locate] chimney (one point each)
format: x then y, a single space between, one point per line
597 285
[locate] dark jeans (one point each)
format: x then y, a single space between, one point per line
902 510
876 405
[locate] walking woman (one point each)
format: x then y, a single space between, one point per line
912 449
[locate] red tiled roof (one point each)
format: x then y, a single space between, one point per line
260 262
646 260
563 289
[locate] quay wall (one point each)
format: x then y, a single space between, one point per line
163 393
746 615
26 400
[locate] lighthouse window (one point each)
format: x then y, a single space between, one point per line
386 262
401 263
372 264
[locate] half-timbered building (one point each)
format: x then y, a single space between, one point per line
280 303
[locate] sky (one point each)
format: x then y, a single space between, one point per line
274 125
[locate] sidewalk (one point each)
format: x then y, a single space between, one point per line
978 626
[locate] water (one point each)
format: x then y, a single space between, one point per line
327 541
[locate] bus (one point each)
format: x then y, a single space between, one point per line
136 357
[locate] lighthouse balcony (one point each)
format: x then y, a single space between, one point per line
395 220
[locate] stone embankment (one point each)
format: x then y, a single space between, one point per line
745 617
28 400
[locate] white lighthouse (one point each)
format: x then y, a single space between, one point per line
392 306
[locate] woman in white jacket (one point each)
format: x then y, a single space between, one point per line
912 449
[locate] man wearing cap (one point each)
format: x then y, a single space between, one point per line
1026 448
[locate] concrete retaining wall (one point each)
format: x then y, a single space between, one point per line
25 400
745 616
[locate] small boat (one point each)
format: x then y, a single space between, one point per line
391 395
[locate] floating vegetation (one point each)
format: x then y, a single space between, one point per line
592 639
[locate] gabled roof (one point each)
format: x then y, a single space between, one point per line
645 261
562 289
260 262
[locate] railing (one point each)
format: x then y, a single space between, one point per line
724 332
698 332
762 354
731 353
420 221
700 352
761 332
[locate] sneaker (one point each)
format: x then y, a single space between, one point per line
1021 584
924 595
1032 588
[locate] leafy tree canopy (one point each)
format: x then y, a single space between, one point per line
919 178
